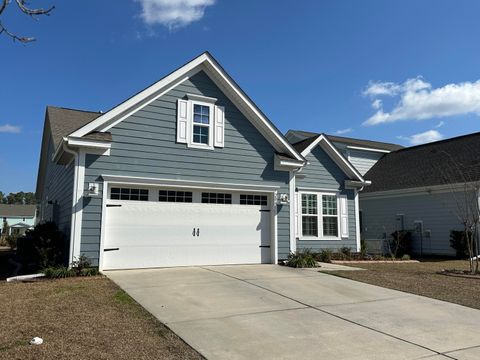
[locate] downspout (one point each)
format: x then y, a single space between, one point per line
74 199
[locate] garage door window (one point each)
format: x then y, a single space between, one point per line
216 198
249 199
128 194
175 196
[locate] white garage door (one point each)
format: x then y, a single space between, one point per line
185 228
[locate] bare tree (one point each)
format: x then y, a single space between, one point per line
465 191
23 6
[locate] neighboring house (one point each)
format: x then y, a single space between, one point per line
19 218
362 154
424 189
190 171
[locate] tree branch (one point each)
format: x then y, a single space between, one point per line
22 39
32 12
3 6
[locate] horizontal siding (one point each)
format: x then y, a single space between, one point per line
323 173
58 189
363 160
144 145
437 211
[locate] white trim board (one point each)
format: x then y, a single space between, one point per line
367 149
118 179
208 64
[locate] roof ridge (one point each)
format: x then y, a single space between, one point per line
72 109
438 141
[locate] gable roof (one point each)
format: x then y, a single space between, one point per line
59 122
307 145
64 121
300 136
14 210
205 62
455 160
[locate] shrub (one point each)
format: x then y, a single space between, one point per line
399 243
363 249
458 241
80 267
406 257
11 241
345 252
58 272
325 256
46 245
302 259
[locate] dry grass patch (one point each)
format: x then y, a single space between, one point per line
421 279
82 318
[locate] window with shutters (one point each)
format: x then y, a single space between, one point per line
200 124
319 216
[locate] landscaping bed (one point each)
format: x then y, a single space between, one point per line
422 278
378 261
82 318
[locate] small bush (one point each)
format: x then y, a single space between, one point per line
59 272
302 259
458 241
325 256
80 267
345 252
399 243
406 257
11 241
363 249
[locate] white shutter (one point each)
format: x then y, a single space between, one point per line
219 128
343 216
297 217
182 121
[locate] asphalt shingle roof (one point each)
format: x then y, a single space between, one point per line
455 160
8 210
65 121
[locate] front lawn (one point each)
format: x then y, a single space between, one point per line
81 318
421 279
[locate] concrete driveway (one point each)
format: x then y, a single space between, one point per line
274 312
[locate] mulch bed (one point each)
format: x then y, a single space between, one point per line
82 318
422 278
346 262
459 273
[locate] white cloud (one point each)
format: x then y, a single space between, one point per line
418 100
440 124
422 138
7 128
343 131
377 104
173 13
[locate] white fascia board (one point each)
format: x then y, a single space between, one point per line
287 164
368 149
203 62
202 98
357 184
118 179
81 142
335 155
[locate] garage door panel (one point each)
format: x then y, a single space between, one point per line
151 234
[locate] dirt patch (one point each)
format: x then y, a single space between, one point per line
422 278
82 318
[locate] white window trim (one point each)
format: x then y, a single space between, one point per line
319 215
211 123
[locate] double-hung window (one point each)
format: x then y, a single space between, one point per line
202 124
319 216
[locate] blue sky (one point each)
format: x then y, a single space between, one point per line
396 71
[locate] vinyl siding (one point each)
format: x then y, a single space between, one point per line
58 188
144 145
363 160
437 211
322 173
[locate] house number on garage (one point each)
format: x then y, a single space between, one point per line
196 232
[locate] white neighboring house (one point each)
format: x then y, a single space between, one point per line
19 218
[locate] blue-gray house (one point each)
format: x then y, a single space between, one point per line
190 171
